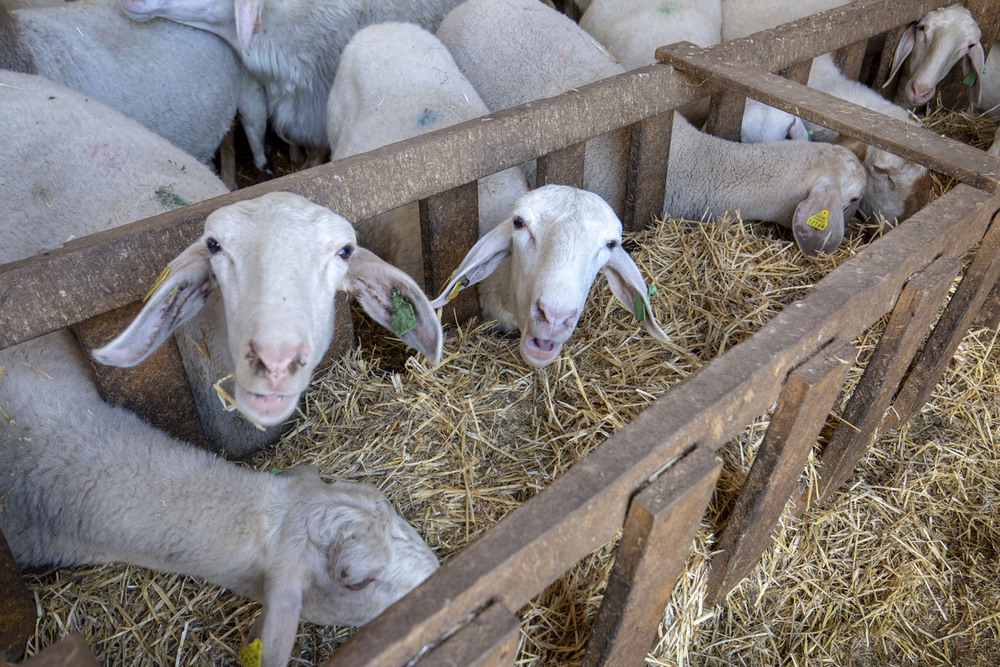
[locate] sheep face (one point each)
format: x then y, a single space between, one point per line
931 47
558 238
277 262
215 16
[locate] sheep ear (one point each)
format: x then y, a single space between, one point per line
279 621
975 61
818 222
630 289
903 50
179 294
483 259
393 300
247 22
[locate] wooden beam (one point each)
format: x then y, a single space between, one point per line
17 608
488 640
564 166
967 164
725 115
850 57
662 520
649 149
804 404
951 328
449 227
911 318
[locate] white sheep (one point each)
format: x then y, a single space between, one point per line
181 83
633 29
547 254
291 46
745 17
517 51
929 48
396 81
82 481
813 188
897 187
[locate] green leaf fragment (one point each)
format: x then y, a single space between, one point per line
403 319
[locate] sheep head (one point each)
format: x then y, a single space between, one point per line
557 238
277 261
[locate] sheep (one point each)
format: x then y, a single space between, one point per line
516 51
633 29
548 253
292 47
929 48
745 17
811 187
897 187
82 481
395 81
14 55
181 83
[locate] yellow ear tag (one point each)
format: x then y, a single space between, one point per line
819 220
249 655
163 276
454 291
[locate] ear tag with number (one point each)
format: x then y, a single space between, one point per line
403 319
819 220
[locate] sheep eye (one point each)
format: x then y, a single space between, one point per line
345 252
213 246
518 222
921 27
612 245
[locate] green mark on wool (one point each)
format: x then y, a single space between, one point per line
427 117
168 198
667 8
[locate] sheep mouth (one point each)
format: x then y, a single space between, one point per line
265 409
539 351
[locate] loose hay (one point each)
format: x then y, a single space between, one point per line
900 568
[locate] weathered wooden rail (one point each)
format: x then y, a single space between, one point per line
655 476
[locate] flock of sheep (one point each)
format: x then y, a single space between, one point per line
111 113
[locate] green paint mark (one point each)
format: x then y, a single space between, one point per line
403 319
667 8
427 117
168 198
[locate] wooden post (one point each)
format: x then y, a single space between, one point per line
799 72
962 309
157 389
564 166
725 115
449 227
70 651
850 58
649 151
911 318
660 525
17 609
488 640
805 401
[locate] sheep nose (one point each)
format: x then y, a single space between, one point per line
920 92
555 319
277 361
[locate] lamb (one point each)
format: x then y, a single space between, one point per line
292 47
929 48
82 481
516 51
633 29
897 187
181 83
395 81
811 187
745 17
548 253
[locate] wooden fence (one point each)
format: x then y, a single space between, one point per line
653 478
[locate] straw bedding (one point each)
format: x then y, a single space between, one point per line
900 568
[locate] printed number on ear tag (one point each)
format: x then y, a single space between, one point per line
249 655
819 220
163 276
403 319
970 79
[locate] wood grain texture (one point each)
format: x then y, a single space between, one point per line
17 608
490 639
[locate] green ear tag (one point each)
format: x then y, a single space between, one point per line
639 307
403 318
970 78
